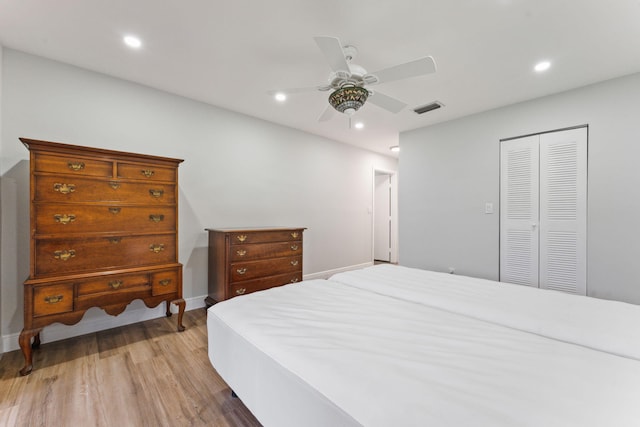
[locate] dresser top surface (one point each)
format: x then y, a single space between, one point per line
68 149
249 229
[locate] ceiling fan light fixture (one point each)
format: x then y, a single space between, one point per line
348 99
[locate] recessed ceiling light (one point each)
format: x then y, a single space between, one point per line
395 148
359 125
132 41
280 97
542 66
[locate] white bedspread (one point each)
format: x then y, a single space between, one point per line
390 362
609 326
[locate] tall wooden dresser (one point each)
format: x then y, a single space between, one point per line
104 232
245 260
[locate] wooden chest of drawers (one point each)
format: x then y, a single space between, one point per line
104 231
242 260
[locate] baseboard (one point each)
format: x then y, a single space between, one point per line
329 273
100 322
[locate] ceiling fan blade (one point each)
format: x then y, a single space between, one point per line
326 114
332 50
418 67
386 102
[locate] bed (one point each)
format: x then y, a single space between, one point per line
395 346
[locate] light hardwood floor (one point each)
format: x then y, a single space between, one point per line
145 374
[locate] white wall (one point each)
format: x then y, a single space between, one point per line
238 171
1 231
451 169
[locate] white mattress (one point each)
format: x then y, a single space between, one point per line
609 326
321 353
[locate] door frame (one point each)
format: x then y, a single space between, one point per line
393 258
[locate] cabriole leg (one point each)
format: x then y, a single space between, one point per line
181 305
25 345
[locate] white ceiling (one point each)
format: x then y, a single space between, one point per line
230 53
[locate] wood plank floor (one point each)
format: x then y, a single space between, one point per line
144 374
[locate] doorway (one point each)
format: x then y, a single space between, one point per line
384 217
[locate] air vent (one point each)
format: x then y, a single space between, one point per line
429 107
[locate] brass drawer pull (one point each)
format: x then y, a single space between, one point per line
241 291
241 270
156 248
241 252
115 211
115 240
64 255
115 284
53 299
64 188
75 166
294 247
115 185
295 234
147 172
294 262
156 193
156 218
64 218
164 282
294 280
241 237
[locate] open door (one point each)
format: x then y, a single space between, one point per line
384 216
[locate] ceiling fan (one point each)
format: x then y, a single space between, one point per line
347 80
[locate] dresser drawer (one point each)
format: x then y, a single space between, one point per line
57 256
165 282
265 250
113 289
68 218
263 283
75 189
52 299
241 271
72 165
239 238
146 172
112 283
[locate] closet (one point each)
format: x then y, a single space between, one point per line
543 210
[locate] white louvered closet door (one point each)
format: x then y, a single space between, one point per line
543 212
519 211
563 211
